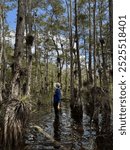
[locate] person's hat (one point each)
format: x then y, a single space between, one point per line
57 85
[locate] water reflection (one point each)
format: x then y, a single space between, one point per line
57 128
104 142
77 127
71 128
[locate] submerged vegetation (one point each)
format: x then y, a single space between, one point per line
65 41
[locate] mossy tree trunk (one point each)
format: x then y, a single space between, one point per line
18 50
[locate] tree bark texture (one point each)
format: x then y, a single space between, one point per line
77 49
18 51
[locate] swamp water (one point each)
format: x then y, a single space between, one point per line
64 132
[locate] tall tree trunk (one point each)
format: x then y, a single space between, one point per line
71 55
3 69
85 49
18 51
36 55
100 34
62 61
77 49
58 61
29 36
94 42
1 48
29 68
66 59
47 69
102 47
90 45
104 67
66 74
111 28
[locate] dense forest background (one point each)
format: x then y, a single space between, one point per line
66 41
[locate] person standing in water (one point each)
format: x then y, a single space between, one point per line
57 98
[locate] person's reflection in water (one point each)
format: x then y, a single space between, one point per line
57 129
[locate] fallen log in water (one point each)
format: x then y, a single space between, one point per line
56 143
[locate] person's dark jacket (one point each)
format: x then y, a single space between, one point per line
57 95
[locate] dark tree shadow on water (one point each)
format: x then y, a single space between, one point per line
57 128
76 108
77 114
104 142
